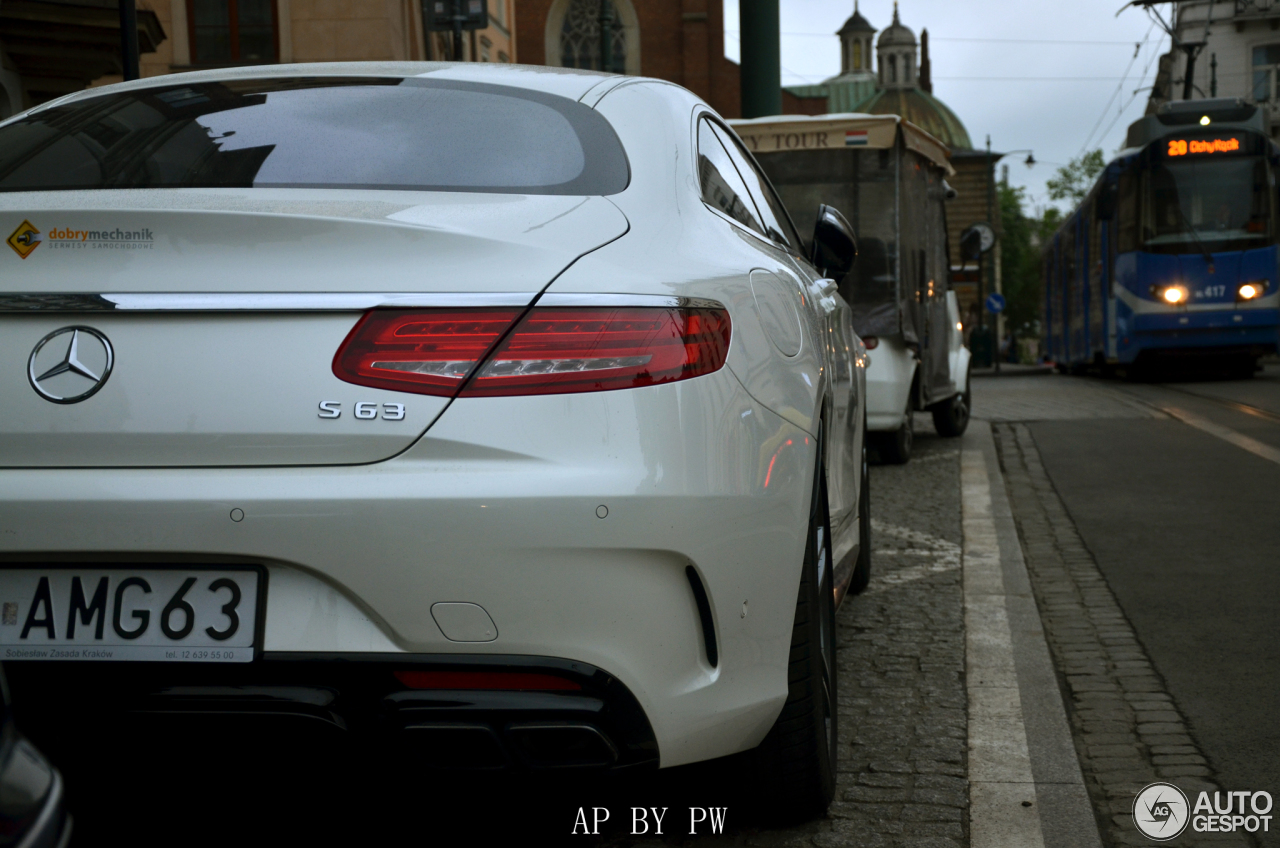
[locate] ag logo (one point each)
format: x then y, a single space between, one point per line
1161 811
24 239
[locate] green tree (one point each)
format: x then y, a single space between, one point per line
1021 241
1073 180
1019 263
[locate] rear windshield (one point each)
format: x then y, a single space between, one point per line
361 133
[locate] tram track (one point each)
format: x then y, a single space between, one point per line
1238 406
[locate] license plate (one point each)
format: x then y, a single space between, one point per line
136 614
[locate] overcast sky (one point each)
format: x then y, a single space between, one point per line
1049 75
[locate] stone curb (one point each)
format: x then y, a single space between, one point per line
1025 785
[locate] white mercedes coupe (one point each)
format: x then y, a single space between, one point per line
496 415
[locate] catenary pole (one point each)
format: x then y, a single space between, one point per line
129 39
458 17
606 35
761 58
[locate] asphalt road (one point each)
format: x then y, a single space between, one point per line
1182 524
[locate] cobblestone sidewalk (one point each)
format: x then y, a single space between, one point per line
1127 729
901 654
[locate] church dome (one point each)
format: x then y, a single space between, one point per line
896 35
922 109
857 24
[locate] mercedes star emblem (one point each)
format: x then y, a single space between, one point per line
70 365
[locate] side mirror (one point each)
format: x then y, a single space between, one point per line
834 247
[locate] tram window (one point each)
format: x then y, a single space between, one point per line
1224 202
1127 213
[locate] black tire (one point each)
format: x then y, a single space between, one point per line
862 568
895 447
796 762
951 417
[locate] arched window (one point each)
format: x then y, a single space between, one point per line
893 68
573 35
857 56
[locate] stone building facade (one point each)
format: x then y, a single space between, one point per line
681 41
1240 56
186 35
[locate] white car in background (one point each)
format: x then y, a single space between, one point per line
893 389
492 413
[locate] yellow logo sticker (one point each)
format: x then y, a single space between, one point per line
24 239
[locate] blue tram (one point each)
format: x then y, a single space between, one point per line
1171 258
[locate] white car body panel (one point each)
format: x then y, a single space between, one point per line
423 242
889 375
958 355
496 503
250 240
511 519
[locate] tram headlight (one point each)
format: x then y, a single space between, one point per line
1172 295
1251 290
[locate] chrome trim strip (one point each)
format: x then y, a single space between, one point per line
253 301
320 301
654 300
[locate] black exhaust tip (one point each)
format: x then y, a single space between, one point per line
562 745
452 746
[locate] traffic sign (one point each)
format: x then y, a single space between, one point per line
995 303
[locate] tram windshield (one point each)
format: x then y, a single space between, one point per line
1214 203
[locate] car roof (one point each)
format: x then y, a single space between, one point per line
565 82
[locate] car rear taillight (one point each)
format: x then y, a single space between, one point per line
550 351
511 680
425 351
589 349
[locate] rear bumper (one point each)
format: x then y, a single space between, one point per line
889 377
499 506
350 701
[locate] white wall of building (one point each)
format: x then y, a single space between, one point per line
1232 31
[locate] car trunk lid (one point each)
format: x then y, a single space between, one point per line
223 309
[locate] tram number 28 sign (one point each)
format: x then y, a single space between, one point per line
1197 146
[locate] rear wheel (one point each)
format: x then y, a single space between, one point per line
896 447
862 569
951 417
797 760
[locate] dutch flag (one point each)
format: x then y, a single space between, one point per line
854 138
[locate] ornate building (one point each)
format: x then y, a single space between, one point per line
53 47
677 40
901 84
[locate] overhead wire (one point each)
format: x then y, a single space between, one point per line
1137 91
1137 49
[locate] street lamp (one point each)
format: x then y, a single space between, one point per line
998 328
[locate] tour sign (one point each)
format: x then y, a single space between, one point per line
1200 146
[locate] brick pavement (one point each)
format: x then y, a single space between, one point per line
1128 731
